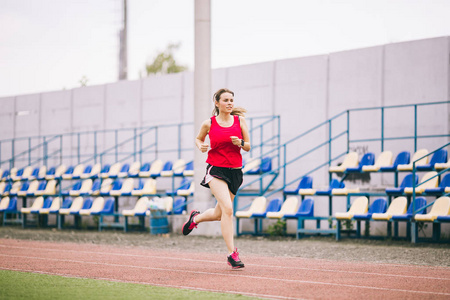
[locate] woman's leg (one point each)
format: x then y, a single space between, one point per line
220 190
212 214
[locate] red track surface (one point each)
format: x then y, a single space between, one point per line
270 277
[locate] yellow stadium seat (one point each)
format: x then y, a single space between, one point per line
350 161
424 184
258 206
441 207
384 160
416 156
397 207
359 206
289 207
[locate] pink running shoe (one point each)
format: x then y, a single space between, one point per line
234 261
190 224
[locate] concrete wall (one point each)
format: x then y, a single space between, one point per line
303 91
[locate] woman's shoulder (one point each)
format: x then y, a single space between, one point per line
207 122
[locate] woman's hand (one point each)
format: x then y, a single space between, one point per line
203 147
236 141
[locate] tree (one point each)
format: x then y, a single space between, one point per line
164 62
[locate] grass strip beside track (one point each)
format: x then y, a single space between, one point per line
23 285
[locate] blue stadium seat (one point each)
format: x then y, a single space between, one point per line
47 203
108 208
378 206
368 159
75 187
167 169
273 206
144 168
443 186
184 185
264 167
87 170
306 209
179 205
189 170
334 184
305 183
420 202
116 186
407 182
438 157
23 189
87 203
41 187
403 158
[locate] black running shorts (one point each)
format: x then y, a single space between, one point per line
233 177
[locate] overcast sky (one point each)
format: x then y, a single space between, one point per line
48 45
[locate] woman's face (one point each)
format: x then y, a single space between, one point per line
226 103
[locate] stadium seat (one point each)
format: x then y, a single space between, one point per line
378 206
4 203
16 174
167 169
189 170
116 186
178 167
289 207
444 187
95 189
97 206
420 203
306 209
3 185
273 206
344 191
184 185
46 205
187 191
16 187
85 188
8 204
397 207
37 204
441 207
91 172
123 172
304 184
442 166
358 207
86 170
252 165
28 187
350 161
77 171
419 153
6 189
258 206
334 184
125 189
114 170
55 205
135 173
104 171
406 182
139 209
149 188
402 158
39 191
50 173
368 159
105 186
50 189
134 169
56 173
179 205
108 208
429 180
439 157
264 167
38 173
87 204
75 206
154 171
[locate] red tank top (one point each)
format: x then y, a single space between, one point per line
223 153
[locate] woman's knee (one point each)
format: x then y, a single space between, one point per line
227 211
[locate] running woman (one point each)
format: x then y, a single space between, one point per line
228 134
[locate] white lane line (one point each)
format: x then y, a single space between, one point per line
229 275
152 284
221 262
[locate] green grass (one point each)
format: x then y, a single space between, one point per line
22 285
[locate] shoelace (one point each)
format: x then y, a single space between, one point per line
235 255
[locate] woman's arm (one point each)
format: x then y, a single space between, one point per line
200 139
245 136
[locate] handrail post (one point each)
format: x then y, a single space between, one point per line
134 143
29 151
348 130
13 155
116 148
95 146
382 129
45 152
60 148
78 148
415 128
179 141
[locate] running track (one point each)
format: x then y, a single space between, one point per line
266 277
